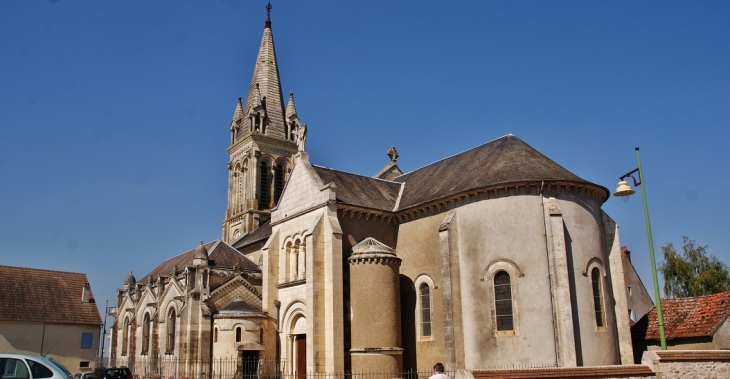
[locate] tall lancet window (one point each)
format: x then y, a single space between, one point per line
425 297
597 296
125 337
264 185
146 334
170 345
278 182
503 301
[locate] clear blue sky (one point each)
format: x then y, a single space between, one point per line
114 114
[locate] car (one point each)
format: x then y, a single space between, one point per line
111 373
26 366
84 375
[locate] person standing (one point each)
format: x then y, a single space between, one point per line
438 372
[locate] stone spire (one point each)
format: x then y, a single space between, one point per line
264 107
237 122
292 120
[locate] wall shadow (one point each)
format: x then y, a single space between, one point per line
573 298
408 323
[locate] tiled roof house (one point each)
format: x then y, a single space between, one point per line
49 312
690 323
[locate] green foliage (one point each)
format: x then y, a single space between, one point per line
692 272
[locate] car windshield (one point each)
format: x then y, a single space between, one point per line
62 368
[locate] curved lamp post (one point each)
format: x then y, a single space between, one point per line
623 192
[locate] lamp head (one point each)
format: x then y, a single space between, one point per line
623 191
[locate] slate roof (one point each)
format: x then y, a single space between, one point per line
35 295
238 305
688 317
361 190
261 233
220 253
501 161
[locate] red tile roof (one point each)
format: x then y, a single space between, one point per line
688 317
35 295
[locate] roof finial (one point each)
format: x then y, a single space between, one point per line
268 14
393 154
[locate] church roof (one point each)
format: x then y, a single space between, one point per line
238 305
686 317
35 295
261 233
361 190
501 161
220 254
265 83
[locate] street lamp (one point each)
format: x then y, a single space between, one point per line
623 192
107 308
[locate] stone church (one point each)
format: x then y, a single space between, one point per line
495 256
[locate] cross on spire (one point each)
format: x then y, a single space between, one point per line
268 14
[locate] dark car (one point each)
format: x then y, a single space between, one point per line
112 373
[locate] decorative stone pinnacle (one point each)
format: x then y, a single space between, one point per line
393 154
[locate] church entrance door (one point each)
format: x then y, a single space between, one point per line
301 347
250 364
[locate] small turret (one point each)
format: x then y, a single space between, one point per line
200 257
130 281
237 121
375 305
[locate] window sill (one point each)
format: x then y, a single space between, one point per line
505 333
291 283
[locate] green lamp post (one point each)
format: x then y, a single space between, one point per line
623 192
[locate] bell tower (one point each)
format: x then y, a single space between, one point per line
263 143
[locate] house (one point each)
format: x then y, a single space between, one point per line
638 300
494 256
690 323
50 313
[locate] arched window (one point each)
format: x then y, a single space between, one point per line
146 334
170 345
238 334
294 261
278 182
503 301
597 296
261 336
264 189
215 335
125 337
425 302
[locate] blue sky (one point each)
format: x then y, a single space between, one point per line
115 114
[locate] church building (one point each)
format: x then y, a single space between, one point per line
495 256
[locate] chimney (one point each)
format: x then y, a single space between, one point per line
625 251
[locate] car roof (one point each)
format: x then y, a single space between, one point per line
21 355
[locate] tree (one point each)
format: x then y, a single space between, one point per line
692 272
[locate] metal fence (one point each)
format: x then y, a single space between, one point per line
166 367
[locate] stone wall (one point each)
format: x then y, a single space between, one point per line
670 364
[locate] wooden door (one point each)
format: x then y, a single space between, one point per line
301 341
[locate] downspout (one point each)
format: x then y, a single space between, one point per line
43 337
277 304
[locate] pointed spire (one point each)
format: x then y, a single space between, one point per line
290 109
237 114
265 98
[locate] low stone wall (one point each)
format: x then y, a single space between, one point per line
657 364
688 364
